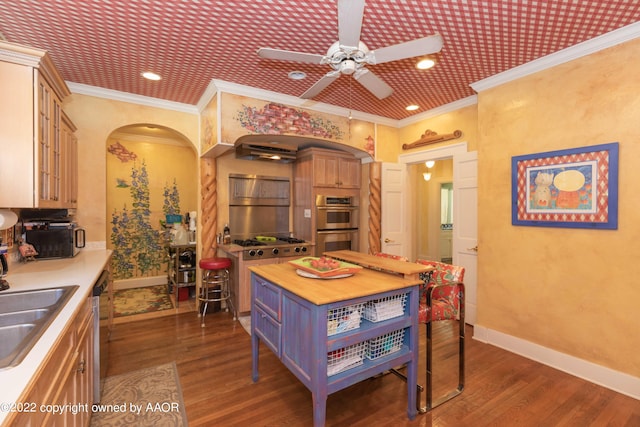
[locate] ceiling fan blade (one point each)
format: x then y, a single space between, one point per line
418 47
287 55
350 13
373 83
319 86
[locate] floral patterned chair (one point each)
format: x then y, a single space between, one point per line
442 298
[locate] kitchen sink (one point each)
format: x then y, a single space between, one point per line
24 316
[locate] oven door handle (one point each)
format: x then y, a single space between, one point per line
339 231
337 208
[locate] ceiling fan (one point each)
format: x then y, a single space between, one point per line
349 55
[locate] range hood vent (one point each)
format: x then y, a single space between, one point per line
268 151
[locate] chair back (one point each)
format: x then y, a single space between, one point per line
443 272
392 256
444 286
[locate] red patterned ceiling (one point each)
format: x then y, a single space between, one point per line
109 43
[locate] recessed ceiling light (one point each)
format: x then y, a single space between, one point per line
411 107
151 76
297 75
425 63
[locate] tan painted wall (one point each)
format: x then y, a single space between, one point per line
96 119
572 290
464 119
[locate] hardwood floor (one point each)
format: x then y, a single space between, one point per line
214 363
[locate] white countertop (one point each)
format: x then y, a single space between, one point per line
82 270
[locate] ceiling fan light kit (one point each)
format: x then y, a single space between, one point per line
349 54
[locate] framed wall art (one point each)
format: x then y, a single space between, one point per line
575 188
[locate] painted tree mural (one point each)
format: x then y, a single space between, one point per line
137 248
171 205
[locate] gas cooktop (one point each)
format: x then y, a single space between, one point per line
272 247
275 242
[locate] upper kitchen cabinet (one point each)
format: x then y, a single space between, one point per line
329 168
40 163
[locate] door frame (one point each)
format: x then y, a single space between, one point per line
439 153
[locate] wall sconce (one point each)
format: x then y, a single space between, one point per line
426 176
429 164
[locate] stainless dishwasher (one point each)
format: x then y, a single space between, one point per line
100 333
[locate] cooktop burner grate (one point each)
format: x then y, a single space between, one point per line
249 242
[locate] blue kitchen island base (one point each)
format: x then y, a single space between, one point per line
293 317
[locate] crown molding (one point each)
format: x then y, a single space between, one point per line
447 108
115 95
579 50
295 101
207 96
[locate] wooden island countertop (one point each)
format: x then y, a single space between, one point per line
325 291
409 270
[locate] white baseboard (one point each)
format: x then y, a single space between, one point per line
589 371
139 282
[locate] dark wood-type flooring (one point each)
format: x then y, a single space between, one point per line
502 389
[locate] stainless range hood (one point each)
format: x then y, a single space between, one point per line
268 151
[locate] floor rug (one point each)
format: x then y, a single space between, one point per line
146 397
127 302
245 321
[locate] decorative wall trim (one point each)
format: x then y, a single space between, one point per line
115 95
579 50
431 137
597 374
437 153
294 101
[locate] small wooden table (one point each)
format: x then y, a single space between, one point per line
408 270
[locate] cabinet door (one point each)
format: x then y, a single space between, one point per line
243 295
325 171
49 146
17 143
69 175
83 384
349 173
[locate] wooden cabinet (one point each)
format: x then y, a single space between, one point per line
330 168
292 321
320 171
33 130
241 278
65 378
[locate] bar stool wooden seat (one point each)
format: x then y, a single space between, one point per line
216 285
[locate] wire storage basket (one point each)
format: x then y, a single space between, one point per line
385 308
384 344
345 358
343 319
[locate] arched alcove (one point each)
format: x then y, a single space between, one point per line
151 171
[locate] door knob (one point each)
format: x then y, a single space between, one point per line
475 249
387 240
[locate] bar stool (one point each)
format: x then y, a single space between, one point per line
215 284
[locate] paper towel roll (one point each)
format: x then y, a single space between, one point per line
7 219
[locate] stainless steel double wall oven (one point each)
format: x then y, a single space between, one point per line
336 223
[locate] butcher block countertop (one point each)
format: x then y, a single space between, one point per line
405 269
325 291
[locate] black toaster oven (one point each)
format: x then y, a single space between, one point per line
56 241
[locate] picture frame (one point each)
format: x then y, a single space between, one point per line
573 188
